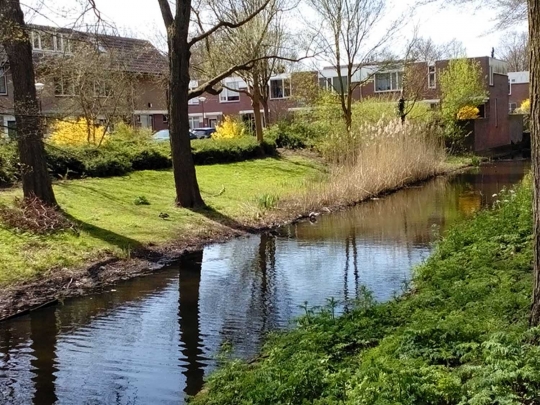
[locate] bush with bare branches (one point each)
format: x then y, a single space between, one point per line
31 215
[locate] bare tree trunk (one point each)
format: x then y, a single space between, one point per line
256 103
187 189
14 37
534 38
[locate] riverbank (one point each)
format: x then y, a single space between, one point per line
118 239
458 337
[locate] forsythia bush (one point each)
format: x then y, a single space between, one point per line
525 107
229 128
75 133
468 112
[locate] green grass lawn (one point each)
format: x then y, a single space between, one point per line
111 224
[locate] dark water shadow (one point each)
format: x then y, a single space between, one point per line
189 321
44 356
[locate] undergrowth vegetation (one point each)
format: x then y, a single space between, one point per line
459 337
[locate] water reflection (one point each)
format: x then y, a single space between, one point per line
188 318
43 348
151 340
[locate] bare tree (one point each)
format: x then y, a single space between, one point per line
266 39
180 42
514 49
346 38
426 50
15 40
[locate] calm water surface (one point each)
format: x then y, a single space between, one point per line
152 340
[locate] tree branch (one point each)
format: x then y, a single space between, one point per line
224 24
166 13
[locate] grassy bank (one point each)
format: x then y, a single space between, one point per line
111 224
460 337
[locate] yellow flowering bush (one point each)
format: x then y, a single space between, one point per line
468 112
76 133
229 128
525 107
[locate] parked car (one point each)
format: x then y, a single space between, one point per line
203 133
164 135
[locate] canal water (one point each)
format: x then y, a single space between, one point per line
152 340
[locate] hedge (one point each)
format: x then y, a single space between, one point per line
122 157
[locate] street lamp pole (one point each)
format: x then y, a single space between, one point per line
202 99
39 89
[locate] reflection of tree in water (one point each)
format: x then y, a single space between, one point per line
43 333
246 323
188 317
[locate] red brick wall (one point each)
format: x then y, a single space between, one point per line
520 93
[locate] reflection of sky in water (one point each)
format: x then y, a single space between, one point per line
144 342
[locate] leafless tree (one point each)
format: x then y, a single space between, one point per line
514 49
346 37
188 26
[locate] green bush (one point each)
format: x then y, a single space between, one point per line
296 134
8 163
121 156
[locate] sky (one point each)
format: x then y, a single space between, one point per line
142 19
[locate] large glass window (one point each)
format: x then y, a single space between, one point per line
280 88
388 81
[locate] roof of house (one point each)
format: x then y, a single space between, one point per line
133 55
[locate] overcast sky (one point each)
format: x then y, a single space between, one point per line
142 18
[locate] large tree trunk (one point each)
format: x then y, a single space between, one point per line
534 41
14 37
187 189
256 103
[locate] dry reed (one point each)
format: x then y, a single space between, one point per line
389 156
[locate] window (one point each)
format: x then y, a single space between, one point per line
194 122
388 81
102 89
165 119
36 40
491 75
339 86
47 41
325 83
280 88
3 81
64 86
512 107
228 95
432 78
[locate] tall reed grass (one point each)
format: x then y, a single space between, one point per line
376 158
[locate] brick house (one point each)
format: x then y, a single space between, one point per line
143 66
494 128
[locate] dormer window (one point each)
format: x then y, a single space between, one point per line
48 41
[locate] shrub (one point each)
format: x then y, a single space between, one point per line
229 128
210 151
152 158
77 133
294 134
8 163
141 200
468 112
32 215
107 165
